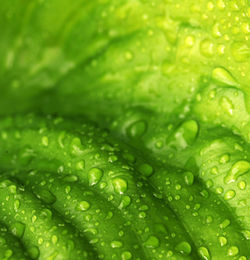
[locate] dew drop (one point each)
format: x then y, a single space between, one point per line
18 229
94 176
146 169
116 244
222 75
229 195
152 242
120 185
204 253
233 251
223 241
125 202
137 129
189 178
227 105
183 248
126 255
33 252
83 206
238 169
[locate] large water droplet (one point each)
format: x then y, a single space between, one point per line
137 129
94 176
183 248
33 252
240 51
18 229
185 134
189 178
83 206
125 202
227 105
126 255
146 169
233 251
204 253
116 244
152 242
120 185
238 169
222 75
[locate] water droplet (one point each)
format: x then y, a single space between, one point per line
120 185
227 105
207 48
33 252
83 205
128 55
190 40
152 242
76 146
185 134
8 253
209 219
224 159
146 169
189 178
18 229
183 248
241 185
225 223
126 255
45 141
240 51
80 165
233 251
204 253
45 195
12 188
16 205
70 178
222 75
229 195
125 202
216 30
116 244
214 170
94 176
238 169
54 239
223 241
246 234
137 129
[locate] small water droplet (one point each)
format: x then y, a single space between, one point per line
70 178
222 75
207 48
246 234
